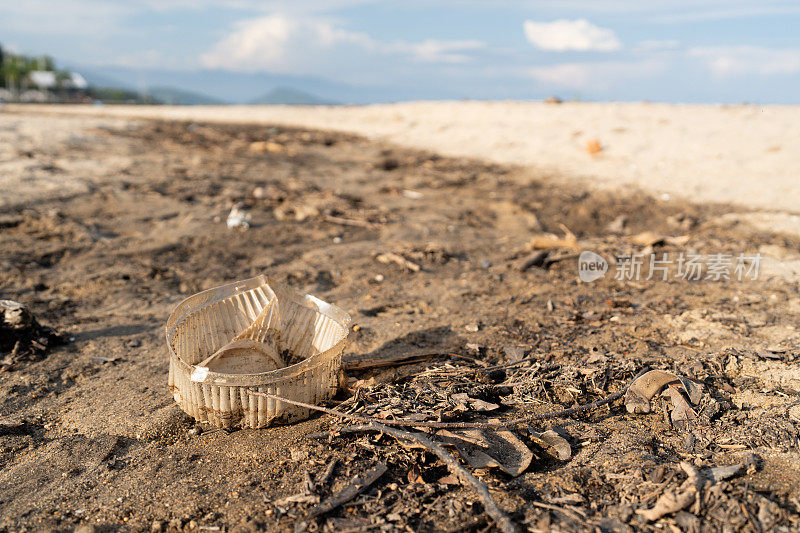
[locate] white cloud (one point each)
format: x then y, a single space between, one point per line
726 61
436 51
597 75
255 44
562 35
301 45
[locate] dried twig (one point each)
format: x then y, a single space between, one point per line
501 519
356 486
391 257
359 363
459 425
572 513
328 473
350 222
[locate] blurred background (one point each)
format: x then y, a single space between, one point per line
351 51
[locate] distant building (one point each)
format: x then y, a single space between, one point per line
77 81
48 80
42 79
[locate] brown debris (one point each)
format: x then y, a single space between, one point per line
554 444
593 147
391 257
638 396
357 485
672 501
484 449
22 337
502 520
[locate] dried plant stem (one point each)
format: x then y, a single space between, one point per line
460 425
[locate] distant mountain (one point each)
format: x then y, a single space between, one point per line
173 96
290 96
95 79
242 87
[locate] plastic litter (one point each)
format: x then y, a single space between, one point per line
238 218
254 334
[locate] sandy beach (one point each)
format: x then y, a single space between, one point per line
746 155
112 215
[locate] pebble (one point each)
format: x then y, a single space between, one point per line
472 328
299 455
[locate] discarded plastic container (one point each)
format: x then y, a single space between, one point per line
236 337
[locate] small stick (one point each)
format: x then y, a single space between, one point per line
350 222
569 512
365 363
356 486
328 473
501 519
459 425
391 257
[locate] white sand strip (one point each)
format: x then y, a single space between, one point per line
748 155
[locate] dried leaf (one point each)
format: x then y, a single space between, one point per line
680 240
672 501
721 473
550 242
647 238
297 498
474 403
554 444
496 449
450 479
650 238
415 475
682 412
266 146
637 399
514 353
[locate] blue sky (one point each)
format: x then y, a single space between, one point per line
695 51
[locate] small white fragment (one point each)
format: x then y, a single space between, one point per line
412 194
238 218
